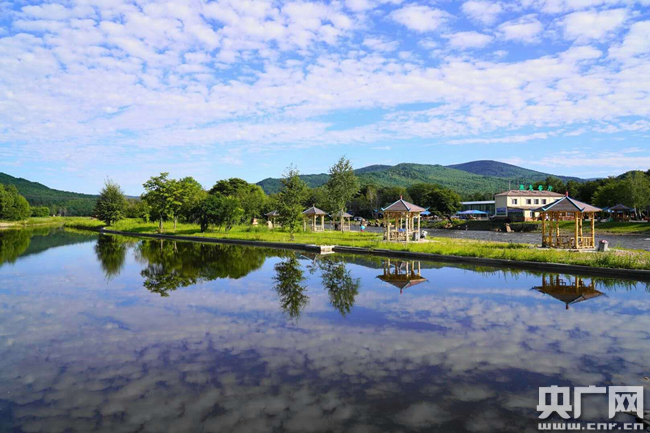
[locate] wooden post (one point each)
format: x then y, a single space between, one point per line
543 229
593 229
419 231
575 217
322 222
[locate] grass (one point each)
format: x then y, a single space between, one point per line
82 222
615 228
445 246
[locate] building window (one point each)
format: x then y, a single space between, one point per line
536 201
529 201
514 201
543 201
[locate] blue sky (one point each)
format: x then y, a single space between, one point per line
127 89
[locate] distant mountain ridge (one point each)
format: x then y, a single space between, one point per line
38 194
468 178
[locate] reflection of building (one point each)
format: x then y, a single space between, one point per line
519 205
402 274
570 292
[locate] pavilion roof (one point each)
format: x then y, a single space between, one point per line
619 207
568 204
338 215
314 211
569 295
272 213
402 283
403 206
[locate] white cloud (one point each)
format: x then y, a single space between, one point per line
508 139
592 24
636 42
420 18
485 12
380 44
464 40
524 29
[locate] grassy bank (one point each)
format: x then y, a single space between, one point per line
444 246
82 222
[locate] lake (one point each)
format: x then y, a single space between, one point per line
115 334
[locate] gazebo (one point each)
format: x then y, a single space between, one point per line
312 215
402 274
272 216
404 214
570 292
340 215
620 212
563 209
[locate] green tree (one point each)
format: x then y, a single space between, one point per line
638 190
341 187
341 287
160 196
13 206
290 201
40 211
390 195
111 204
111 253
251 197
442 201
187 194
611 194
554 182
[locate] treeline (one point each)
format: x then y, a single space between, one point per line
15 207
235 201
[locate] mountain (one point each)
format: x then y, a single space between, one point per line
508 171
37 194
472 177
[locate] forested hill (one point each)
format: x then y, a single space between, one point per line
37 194
508 171
470 178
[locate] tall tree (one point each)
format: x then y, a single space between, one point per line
290 200
111 204
187 194
341 187
13 206
159 195
442 201
251 197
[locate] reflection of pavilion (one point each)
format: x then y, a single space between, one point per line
402 274
570 292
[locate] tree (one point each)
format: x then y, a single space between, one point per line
341 187
391 194
187 194
290 198
111 204
217 210
441 201
160 195
611 194
340 285
41 211
554 182
288 279
13 206
251 197
638 189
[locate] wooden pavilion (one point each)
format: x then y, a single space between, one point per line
564 209
312 215
402 274
404 214
620 212
271 217
569 293
346 217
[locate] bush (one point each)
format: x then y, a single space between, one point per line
41 211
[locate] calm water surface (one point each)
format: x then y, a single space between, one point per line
120 335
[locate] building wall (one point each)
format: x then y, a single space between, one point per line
527 202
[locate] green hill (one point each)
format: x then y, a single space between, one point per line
508 171
37 194
474 177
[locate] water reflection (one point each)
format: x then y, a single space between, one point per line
568 290
111 253
402 274
288 284
29 241
466 354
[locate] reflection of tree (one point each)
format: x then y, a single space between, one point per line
171 265
111 253
287 279
340 285
13 243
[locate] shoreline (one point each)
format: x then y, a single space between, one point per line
629 274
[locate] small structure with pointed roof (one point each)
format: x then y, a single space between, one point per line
568 293
566 207
271 217
620 212
402 274
344 217
312 215
404 214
